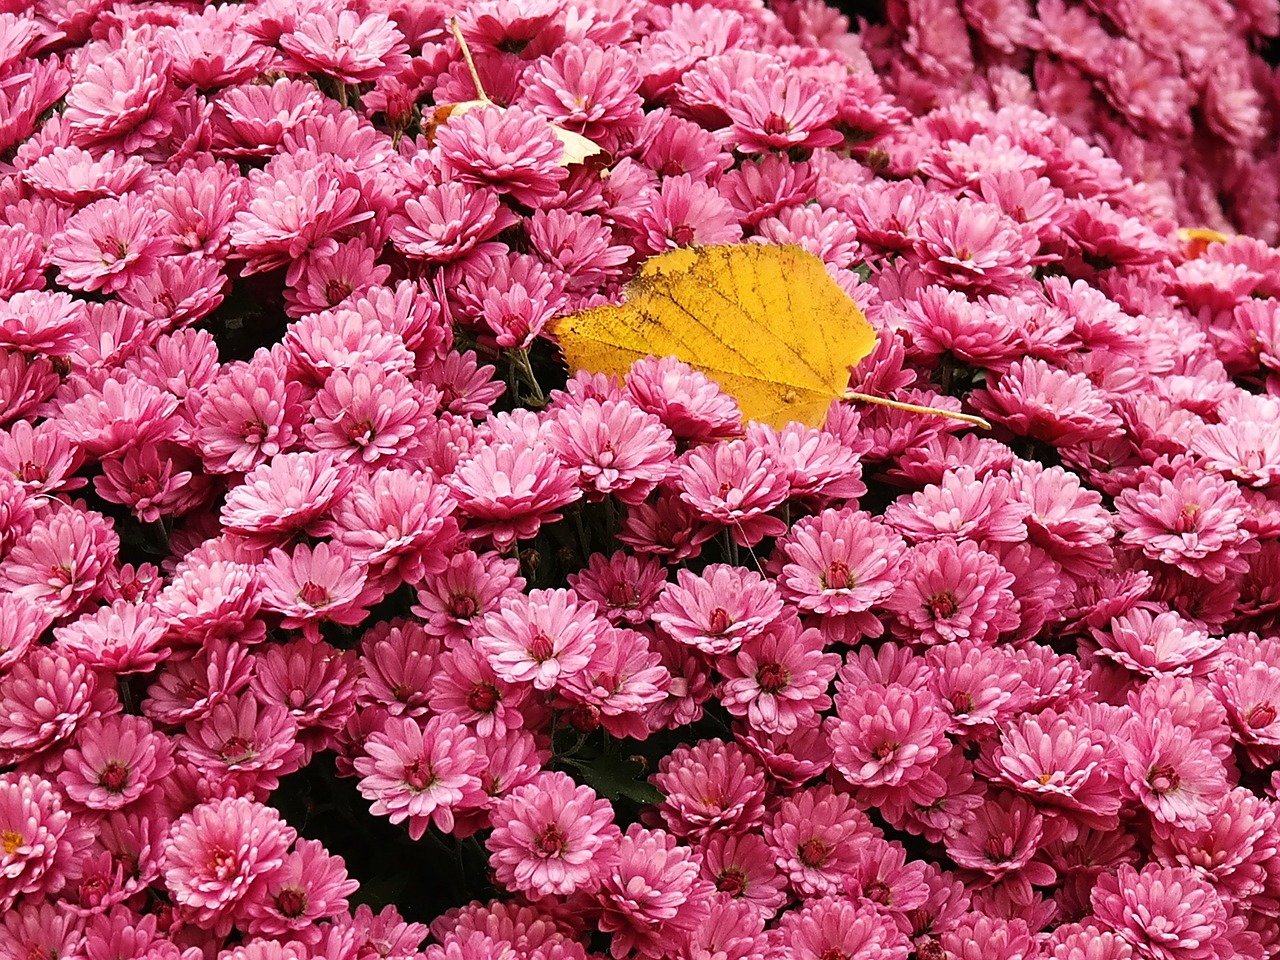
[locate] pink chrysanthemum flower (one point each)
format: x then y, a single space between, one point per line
780 113
1065 518
421 774
1058 763
297 204
515 296
552 837
285 496
109 243
839 564
716 611
312 585
978 685
540 637
208 598
1000 841
42 841
329 281
693 407
464 685
616 448
589 88
124 412
832 926
1172 773
369 414
736 485
41 458
819 467
791 759
120 97
250 413
971 244
189 689
1166 913
399 524
952 590
314 682
450 221
348 46
1192 520
961 507
624 586
778 680
509 489
1250 692
42 322
397 663
743 868
581 245
245 742
1037 400
21 624
510 150
978 936
123 638
710 788
311 886
812 836
460 595
653 896
44 699
684 212
887 735
1163 645
623 679
221 854
115 762
75 176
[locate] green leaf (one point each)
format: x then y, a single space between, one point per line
614 776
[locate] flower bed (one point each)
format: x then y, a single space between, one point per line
338 621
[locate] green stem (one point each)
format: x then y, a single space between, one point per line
522 362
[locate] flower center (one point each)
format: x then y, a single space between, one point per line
837 576
114 776
1185 522
773 677
943 605
463 606
733 881
775 124
683 235
877 891
885 750
236 749
1260 715
223 864
1163 779
335 291
813 853
11 840
419 775
719 622
833 953
551 840
541 647
482 697
961 701
313 595
623 596
291 902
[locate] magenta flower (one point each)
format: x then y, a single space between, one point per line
109 243
312 585
312 885
833 926
778 680
1166 913
1172 773
450 221
464 685
653 896
710 789
952 590
1192 520
422 774
716 611
246 742
250 413
44 699
693 407
510 150
115 762
616 447
623 679
286 495
222 854
469 587
736 485
552 836
343 44
742 867
684 212
369 414
1037 400
887 735
541 638
43 842
624 586
812 836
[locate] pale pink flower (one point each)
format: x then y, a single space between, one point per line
110 243
736 485
716 611
622 680
43 842
684 212
470 586
121 97
286 495
222 854
616 448
552 836
348 46
693 407
541 637
509 150
450 221
313 585
710 789
1166 913
123 638
778 680
421 774
1037 400
250 413
369 414
115 762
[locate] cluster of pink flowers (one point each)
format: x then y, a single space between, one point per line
291 485
1180 93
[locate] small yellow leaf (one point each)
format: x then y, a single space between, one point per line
767 323
1196 240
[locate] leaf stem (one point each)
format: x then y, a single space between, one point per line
471 64
916 408
522 362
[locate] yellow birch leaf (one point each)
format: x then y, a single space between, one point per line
767 323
